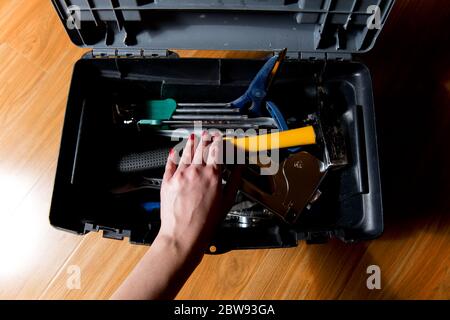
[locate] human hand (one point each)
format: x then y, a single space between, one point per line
191 197
192 205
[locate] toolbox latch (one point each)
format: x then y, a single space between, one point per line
115 234
110 233
318 237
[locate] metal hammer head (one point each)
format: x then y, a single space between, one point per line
330 135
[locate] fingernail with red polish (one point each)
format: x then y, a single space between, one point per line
171 152
192 136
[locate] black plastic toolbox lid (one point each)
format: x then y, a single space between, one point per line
310 27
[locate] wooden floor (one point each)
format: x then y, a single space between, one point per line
411 73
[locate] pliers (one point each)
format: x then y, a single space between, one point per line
252 100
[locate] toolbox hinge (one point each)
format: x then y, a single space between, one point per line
129 53
104 53
155 53
336 56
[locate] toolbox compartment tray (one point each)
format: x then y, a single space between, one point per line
350 207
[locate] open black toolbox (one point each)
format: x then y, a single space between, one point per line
131 62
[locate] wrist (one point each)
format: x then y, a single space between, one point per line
179 246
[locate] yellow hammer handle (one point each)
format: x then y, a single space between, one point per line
283 139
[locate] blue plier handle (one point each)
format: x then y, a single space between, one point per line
252 100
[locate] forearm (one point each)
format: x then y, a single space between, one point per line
162 271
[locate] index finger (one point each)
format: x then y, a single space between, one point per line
215 151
